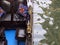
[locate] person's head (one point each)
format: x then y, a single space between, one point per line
21 10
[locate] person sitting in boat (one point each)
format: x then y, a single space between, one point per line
1 12
23 10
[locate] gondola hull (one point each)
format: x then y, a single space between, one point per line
13 24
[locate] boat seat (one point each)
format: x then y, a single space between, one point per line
20 34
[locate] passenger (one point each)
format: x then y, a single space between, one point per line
23 10
1 12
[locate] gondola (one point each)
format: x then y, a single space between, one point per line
16 16
10 18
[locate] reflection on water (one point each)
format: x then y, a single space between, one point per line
38 31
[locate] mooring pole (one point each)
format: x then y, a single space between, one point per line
30 23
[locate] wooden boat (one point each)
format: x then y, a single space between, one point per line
10 20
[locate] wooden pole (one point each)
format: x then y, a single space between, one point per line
29 26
